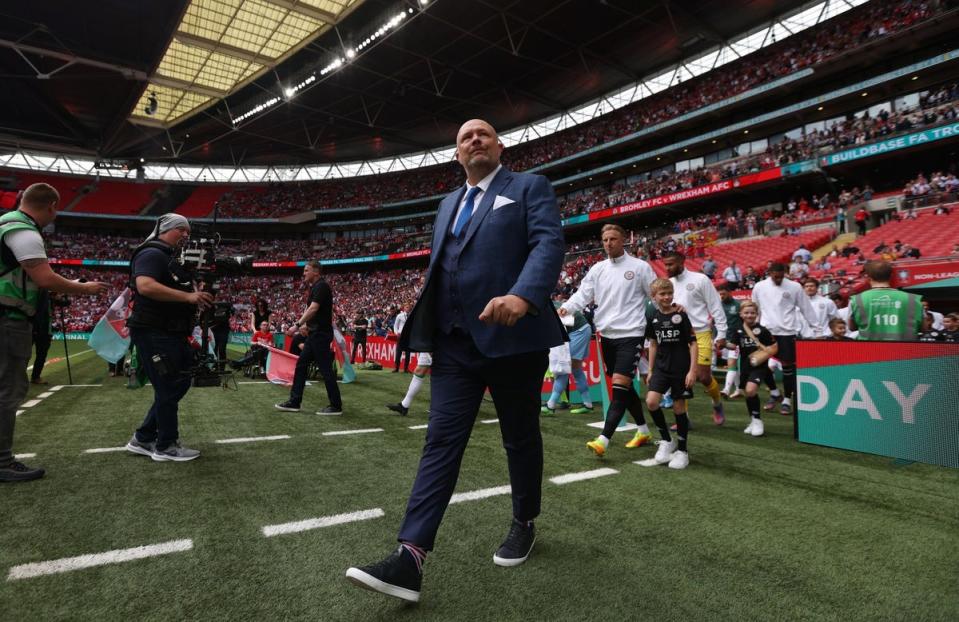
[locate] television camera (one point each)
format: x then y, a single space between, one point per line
200 256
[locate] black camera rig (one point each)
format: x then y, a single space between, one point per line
201 258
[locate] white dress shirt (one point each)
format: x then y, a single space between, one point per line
620 289
781 305
483 186
695 292
399 322
733 274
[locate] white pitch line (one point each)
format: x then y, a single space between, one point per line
578 477
489 421
60 360
45 395
483 493
253 439
37 569
80 386
316 523
56 388
103 450
30 403
25 456
419 427
364 431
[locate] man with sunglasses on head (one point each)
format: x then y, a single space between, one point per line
165 302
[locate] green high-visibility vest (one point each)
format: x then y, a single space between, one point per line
18 293
886 314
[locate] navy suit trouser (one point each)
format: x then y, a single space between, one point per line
460 376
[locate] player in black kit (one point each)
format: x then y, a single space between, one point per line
756 345
672 352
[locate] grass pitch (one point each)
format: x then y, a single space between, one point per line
764 528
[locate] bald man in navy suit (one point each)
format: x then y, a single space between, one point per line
485 314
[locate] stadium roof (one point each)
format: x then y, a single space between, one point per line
221 45
392 77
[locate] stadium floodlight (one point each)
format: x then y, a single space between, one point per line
289 92
350 53
260 108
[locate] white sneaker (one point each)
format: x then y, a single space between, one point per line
665 451
735 394
749 428
757 427
680 460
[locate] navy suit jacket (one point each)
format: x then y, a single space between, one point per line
517 248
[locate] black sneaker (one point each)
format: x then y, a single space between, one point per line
330 410
399 408
19 472
397 576
518 545
288 406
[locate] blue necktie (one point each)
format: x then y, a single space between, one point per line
467 212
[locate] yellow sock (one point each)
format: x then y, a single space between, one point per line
713 390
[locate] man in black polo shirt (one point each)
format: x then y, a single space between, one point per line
318 318
360 326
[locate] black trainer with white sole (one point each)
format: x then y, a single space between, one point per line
287 406
330 411
396 576
518 545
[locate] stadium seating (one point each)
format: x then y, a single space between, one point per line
934 236
200 203
68 187
116 197
755 253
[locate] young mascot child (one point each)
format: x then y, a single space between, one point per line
756 345
672 353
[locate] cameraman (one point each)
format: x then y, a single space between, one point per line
24 271
164 311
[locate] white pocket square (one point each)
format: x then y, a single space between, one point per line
501 201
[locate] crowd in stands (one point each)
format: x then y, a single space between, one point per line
934 108
937 188
282 199
811 47
84 312
839 35
839 135
90 246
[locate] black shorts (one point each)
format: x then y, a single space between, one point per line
620 356
787 349
661 383
754 374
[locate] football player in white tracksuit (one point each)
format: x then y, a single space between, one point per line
619 285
